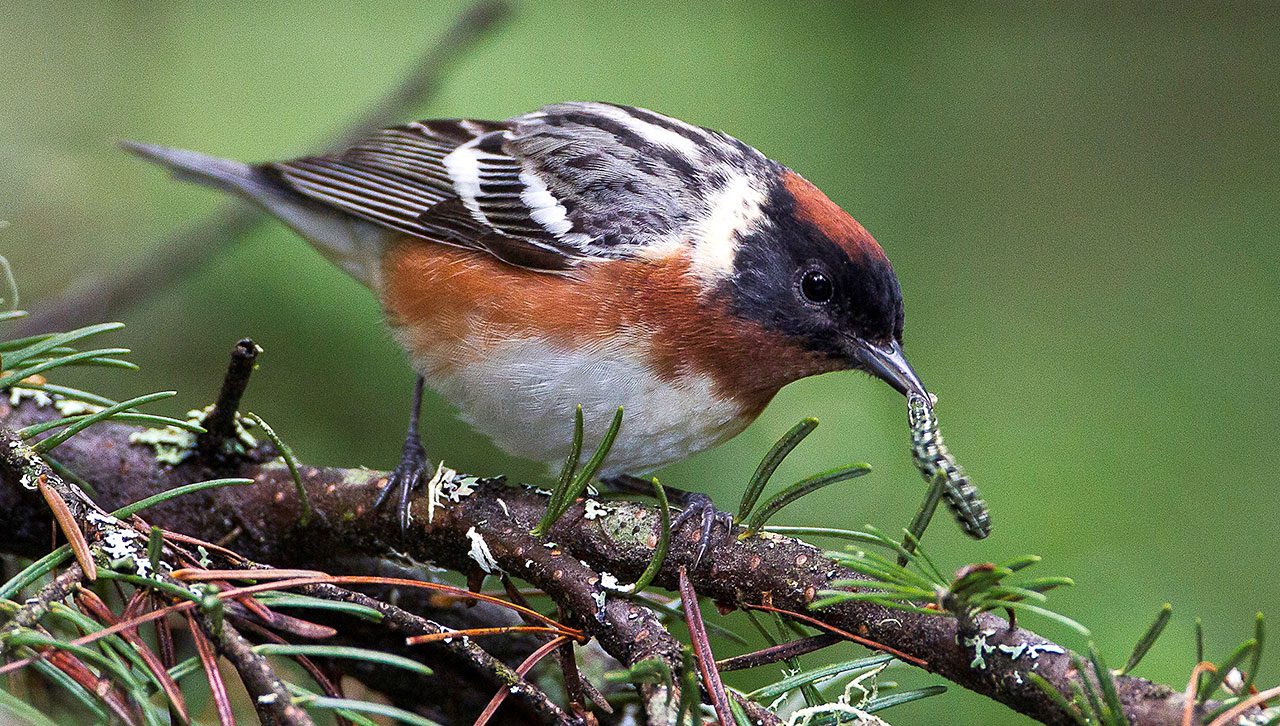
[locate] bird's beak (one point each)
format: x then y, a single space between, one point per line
888 363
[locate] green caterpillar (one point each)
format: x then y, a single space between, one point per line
932 458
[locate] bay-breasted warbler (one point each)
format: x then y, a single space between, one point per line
590 254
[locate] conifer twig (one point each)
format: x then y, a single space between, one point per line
220 423
771 571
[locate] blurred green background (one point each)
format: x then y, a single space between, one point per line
1082 204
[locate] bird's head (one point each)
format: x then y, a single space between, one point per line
807 270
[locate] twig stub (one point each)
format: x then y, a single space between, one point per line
216 446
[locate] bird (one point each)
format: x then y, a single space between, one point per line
589 254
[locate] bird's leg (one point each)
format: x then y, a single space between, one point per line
693 504
413 462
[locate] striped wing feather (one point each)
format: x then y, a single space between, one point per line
398 178
567 183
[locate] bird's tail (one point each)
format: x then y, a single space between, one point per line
353 244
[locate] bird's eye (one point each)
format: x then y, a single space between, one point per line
816 286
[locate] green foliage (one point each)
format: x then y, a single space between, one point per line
142 504
11 284
860 695
572 481
113 660
34 571
342 651
668 612
1071 708
1259 638
770 463
807 690
1094 700
155 547
1243 685
118 669
664 539
290 461
120 411
898 699
351 709
275 600
924 515
800 489
87 699
39 349
815 675
650 670
1111 711
754 519
690 692
1148 639
1218 675
24 712
921 587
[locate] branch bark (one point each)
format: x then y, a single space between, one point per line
271 698
479 524
483 664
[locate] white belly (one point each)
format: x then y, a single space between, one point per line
522 394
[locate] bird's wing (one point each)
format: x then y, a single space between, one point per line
548 190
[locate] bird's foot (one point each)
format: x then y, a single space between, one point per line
632 484
701 507
405 478
694 505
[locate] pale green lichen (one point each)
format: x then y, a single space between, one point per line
847 708
980 648
1013 651
69 407
609 581
593 509
39 398
30 471
66 406
173 445
1031 651
436 486
122 547
457 488
480 552
627 530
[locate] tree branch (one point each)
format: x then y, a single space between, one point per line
484 665
485 523
271 698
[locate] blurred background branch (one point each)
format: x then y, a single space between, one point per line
103 295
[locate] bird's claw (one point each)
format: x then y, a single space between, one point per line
694 505
405 478
700 505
